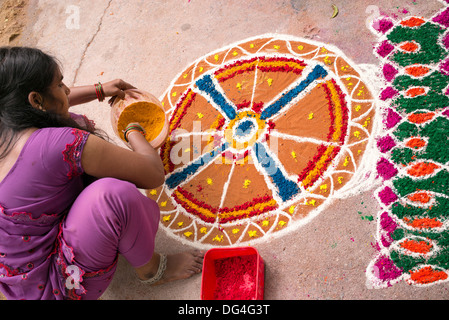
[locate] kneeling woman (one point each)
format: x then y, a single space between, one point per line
61 233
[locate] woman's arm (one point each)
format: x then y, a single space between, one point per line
80 95
142 166
84 94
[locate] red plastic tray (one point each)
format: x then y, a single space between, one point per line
209 283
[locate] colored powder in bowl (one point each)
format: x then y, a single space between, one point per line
150 116
236 278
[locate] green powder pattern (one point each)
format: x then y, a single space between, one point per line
427 36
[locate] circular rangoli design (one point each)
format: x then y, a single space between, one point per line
263 134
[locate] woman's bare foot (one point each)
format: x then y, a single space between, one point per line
179 266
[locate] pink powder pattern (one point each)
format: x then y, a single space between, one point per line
386 169
392 119
385 49
385 144
387 196
443 18
389 72
383 25
444 67
386 269
388 93
446 112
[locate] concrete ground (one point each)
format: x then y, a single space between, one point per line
147 43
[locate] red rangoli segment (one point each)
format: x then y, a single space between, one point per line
181 109
318 165
277 64
248 209
338 112
198 208
211 214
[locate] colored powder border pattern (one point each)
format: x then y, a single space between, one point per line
412 226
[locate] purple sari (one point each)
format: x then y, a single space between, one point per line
59 238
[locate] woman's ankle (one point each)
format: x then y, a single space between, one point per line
150 269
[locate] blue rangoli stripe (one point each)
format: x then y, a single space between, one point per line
286 188
286 98
175 179
207 85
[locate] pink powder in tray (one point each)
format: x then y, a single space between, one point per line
236 278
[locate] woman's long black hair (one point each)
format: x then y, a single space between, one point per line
24 70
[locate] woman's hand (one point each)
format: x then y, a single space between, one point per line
116 88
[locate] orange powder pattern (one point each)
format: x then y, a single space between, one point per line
422 169
420 117
412 22
416 143
422 197
424 223
422 246
409 46
413 92
427 275
417 71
